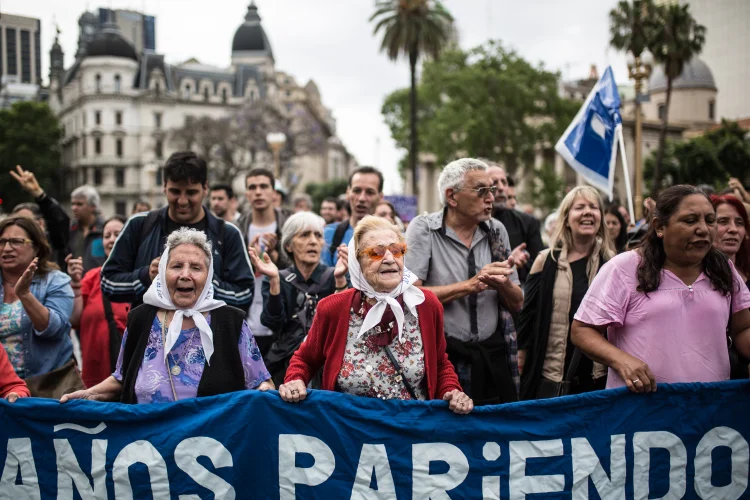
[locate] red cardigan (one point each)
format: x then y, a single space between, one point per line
326 342
9 381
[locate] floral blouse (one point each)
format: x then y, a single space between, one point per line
152 384
11 335
366 369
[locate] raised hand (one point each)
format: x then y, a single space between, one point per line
266 267
24 282
75 268
520 255
27 180
342 264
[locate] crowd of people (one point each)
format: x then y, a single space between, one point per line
475 304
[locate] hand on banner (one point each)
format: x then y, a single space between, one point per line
636 374
459 402
11 397
266 386
520 255
153 268
293 392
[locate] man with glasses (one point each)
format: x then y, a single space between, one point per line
463 256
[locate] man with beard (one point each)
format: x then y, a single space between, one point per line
223 203
523 229
364 192
463 256
328 209
134 261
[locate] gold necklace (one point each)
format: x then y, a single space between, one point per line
164 346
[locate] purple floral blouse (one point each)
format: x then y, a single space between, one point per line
152 383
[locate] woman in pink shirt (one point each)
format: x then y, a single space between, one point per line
666 305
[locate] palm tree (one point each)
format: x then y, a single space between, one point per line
630 26
412 28
677 38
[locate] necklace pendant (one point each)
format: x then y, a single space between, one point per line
176 370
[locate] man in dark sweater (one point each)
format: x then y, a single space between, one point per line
523 229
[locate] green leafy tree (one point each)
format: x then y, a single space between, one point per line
631 25
412 28
548 189
677 38
319 191
488 102
29 136
709 159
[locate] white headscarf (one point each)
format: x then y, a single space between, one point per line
157 295
411 295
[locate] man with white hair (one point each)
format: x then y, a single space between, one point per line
86 227
463 255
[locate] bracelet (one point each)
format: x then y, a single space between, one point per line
338 289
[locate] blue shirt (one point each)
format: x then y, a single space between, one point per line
328 232
50 349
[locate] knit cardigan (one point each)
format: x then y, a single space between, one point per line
326 343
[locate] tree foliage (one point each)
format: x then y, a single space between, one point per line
319 191
29 136
238 141
709 159
412 28
548 189
488 102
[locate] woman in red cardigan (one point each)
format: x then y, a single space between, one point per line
384 337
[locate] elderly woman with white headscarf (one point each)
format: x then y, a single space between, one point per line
384 337
181 342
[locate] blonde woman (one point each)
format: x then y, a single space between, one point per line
559 278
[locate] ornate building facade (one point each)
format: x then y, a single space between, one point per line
119 108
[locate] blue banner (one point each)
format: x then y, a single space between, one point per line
406 206
589 144
684 441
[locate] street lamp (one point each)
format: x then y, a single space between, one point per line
639 68
276 141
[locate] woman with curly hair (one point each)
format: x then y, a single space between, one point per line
665 307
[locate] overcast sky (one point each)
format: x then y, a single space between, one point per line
331 42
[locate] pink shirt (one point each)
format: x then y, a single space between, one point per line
679 331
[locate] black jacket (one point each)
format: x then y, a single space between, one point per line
125 275
58 228
224 374
522 228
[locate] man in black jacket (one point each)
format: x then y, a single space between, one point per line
523 229
134 261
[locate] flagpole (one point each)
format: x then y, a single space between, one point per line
621 141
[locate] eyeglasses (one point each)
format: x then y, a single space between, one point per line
483 191
15 243
378 251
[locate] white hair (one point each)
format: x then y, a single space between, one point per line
189 236
453 174
549 221
301 221
87 192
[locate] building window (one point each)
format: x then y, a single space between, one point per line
98 146
205 94
98 81
224 95
117 83
97 177
84 176
118 117
712 110
159 149
252 96
84 119
288 93
157 89
10 51
120 178
121 208
97 117
662 110
118 147
157 120
25 56
158 177
83 146
187 91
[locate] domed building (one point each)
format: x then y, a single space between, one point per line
693 95
119 108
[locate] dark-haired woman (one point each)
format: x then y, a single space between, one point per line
100 323
35 303
617 227
733 233
666 305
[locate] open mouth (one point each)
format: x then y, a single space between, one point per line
700 244
389 271
8 258
185 289
732 241
587 223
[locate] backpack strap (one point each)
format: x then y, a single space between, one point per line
338 237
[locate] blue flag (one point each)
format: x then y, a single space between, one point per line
589 145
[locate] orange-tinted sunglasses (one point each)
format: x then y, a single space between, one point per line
378 251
